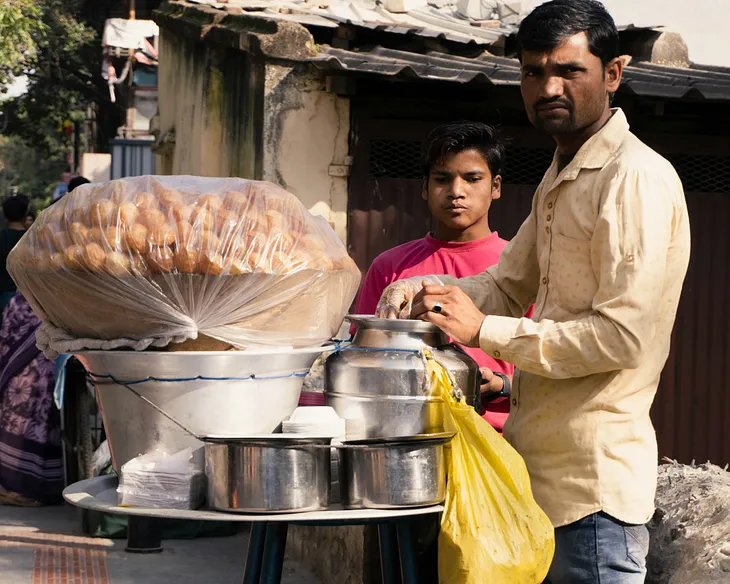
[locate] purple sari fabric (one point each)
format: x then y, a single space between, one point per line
31 462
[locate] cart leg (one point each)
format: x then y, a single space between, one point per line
274 553
143 535
408 565
388 553
255 555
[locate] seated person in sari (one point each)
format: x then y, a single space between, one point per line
31 460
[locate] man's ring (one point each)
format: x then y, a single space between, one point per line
437 308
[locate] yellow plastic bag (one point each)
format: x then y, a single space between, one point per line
492 530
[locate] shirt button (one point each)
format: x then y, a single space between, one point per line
550 205
514 401
544 280
497 354
549 217
547 229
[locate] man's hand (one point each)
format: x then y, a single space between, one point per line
491 383
450 309
397 299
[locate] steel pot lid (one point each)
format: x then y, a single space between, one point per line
435 437
268 439
400 325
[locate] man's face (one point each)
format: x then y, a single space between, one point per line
460 190
566 90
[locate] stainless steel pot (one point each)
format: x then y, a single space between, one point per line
268 474
389 474
378 383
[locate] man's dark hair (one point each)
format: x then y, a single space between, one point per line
15 208
457 137
551 23
77 181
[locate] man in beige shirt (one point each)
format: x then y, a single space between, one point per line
603 255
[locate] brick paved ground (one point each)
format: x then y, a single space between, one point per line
47 546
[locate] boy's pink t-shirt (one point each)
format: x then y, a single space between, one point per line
426 256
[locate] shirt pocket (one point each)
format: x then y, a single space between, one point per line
573 284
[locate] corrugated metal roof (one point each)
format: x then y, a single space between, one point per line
467 21
448 19
642 78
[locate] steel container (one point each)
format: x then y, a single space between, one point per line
391 474
379 383
232 393
274 474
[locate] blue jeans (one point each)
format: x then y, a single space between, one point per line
599 549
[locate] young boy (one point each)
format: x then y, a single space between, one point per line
462 163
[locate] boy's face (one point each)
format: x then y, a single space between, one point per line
460 189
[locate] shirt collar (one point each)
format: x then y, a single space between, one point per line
597 150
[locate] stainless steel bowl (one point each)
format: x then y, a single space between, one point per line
389 474
272 474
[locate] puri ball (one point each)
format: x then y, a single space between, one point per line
73 257
210 202
57 262
184 235
152 218
202 218
146 201
94 257
211 263
113 237
186 260
181 212
210 242
102 213
235 201
162 235
137 237
128 213
138 266
238 267
79 233
168 197
161 259
116 263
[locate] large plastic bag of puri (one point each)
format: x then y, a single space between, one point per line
185 263
492 530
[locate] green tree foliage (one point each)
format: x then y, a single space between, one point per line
63 77
56 44
24 171
21 28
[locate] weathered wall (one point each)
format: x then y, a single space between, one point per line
209 110
223 113
306 131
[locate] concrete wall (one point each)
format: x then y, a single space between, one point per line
222 113
306 132
207 110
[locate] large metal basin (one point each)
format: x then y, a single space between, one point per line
224 402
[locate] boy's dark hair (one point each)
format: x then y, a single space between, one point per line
551 23
77 181
460 136
15 208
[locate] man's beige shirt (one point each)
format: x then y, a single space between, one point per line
603 256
